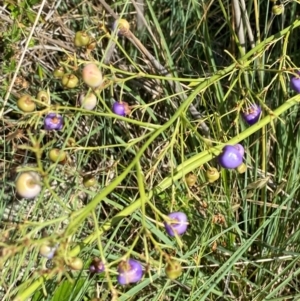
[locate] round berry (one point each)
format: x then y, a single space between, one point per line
173 269
119 108
75 263
251 114
48 251
190 179
88 101
97 266
212 175
57 155
53 121
242 168
240 149
129 271
43 97
28 184
81 39
69 81
89 182
178 223
91 75
295 83
59 72
121 26
26 104
230 157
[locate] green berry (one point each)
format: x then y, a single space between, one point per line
242 168
59 72
173 269
89 182
190 179
26 104
212 175
75 263
57 155
69 81
81 39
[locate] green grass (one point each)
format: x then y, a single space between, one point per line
187 77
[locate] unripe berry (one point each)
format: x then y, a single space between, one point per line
89 182
242 168
28 184
48 251
43 97
57 155
59 72
173 269
92 75
75 263
26 103
190 179
69 81
121 26
212 175
81 39
88 101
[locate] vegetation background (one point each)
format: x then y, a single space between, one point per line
187 69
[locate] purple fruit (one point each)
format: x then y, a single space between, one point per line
230 157
295 83
119 108
97 266
53 121
129 271
178 223
252 114
240 148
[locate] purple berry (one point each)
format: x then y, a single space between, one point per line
97 266
119 108
295 83
178 223
240 148
53 121
252 114
129 271
230 157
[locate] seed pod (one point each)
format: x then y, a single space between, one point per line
26 103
